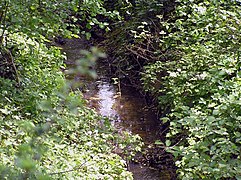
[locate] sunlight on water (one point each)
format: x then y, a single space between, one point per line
106 102
127 110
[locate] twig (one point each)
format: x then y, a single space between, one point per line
14 67
3 64
67 171
143 51
174 144
164 131
136 53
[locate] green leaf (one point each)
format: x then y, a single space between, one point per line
5 111
88 35
165 119
168 142
158 142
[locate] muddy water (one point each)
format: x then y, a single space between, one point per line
123 105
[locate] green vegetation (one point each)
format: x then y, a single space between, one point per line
185 53
188 55
46 131
196 78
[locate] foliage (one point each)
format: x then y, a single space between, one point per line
47 19
199 82
46 130
135 42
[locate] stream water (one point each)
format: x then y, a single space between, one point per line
125 107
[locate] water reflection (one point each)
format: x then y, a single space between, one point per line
106 100
126 109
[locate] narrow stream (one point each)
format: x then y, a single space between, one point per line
123 105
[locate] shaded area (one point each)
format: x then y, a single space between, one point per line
125 107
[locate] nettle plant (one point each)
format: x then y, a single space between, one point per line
200 85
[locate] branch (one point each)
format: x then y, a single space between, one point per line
14 67
137 54
3 18
67 171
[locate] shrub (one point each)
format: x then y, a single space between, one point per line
200 85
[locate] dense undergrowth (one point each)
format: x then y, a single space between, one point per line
202 88
189 58
46 131
185 53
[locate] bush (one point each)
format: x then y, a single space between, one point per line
200 85
46 130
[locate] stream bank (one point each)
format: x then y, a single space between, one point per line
127 110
